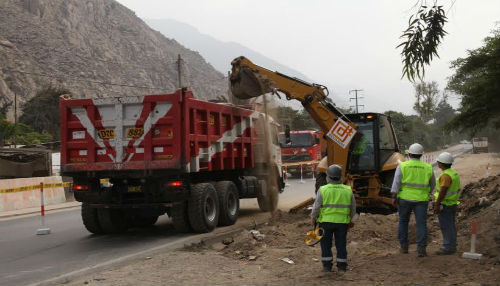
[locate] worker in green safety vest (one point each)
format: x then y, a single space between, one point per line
445 203
335 210
412 185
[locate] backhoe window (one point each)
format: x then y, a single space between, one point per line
386 139
298 140
363 156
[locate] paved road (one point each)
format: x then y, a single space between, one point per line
27 258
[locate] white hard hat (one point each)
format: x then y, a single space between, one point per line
445 158
416 149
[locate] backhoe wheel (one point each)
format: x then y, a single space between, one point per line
267 197
229 203
203 207
112 220
90 219
180 217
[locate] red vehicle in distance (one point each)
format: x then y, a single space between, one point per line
302 150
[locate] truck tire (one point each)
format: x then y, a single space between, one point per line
203 208
90 219
229 203
180 217
267 197
112 220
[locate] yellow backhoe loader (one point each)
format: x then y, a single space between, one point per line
364 144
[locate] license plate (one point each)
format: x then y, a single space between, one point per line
135 132
106 133
134 189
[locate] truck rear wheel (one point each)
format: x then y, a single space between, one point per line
203 207
112 220
180 217
229 203
267 197
90 219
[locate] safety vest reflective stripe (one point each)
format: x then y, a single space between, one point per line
453 191
336 203
335 206
415 185
415 181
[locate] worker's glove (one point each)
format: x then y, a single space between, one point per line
350 225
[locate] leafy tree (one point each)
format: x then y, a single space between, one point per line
426 95
42 111
444 113
25 135
477 80
4 108
6 130
421 39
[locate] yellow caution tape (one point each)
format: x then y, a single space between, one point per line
35 187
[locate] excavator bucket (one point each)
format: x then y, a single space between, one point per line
246 83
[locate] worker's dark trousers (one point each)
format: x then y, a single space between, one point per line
404 209
340 232
448 228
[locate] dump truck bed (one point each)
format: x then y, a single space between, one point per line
154 132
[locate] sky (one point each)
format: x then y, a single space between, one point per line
344 45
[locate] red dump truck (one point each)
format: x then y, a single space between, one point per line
135 158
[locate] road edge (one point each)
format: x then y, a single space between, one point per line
126 259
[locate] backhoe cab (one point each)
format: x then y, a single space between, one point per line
363 144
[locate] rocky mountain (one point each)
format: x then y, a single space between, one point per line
216 52
95 48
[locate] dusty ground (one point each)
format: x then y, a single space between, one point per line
372 248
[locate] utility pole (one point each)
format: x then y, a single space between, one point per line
15 119
179 73
356 98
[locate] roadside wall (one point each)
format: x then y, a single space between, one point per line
23 193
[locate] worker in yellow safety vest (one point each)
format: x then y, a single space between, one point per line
412 185
446 201
335 210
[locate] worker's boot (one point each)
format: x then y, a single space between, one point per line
421 252
443 251
326 269
403 249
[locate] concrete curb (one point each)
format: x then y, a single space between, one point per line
126 259
49 209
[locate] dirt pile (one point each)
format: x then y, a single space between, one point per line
480 201
373 247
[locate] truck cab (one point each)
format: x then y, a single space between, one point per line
302 150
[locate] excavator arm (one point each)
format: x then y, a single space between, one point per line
249 80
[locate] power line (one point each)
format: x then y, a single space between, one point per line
356 98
